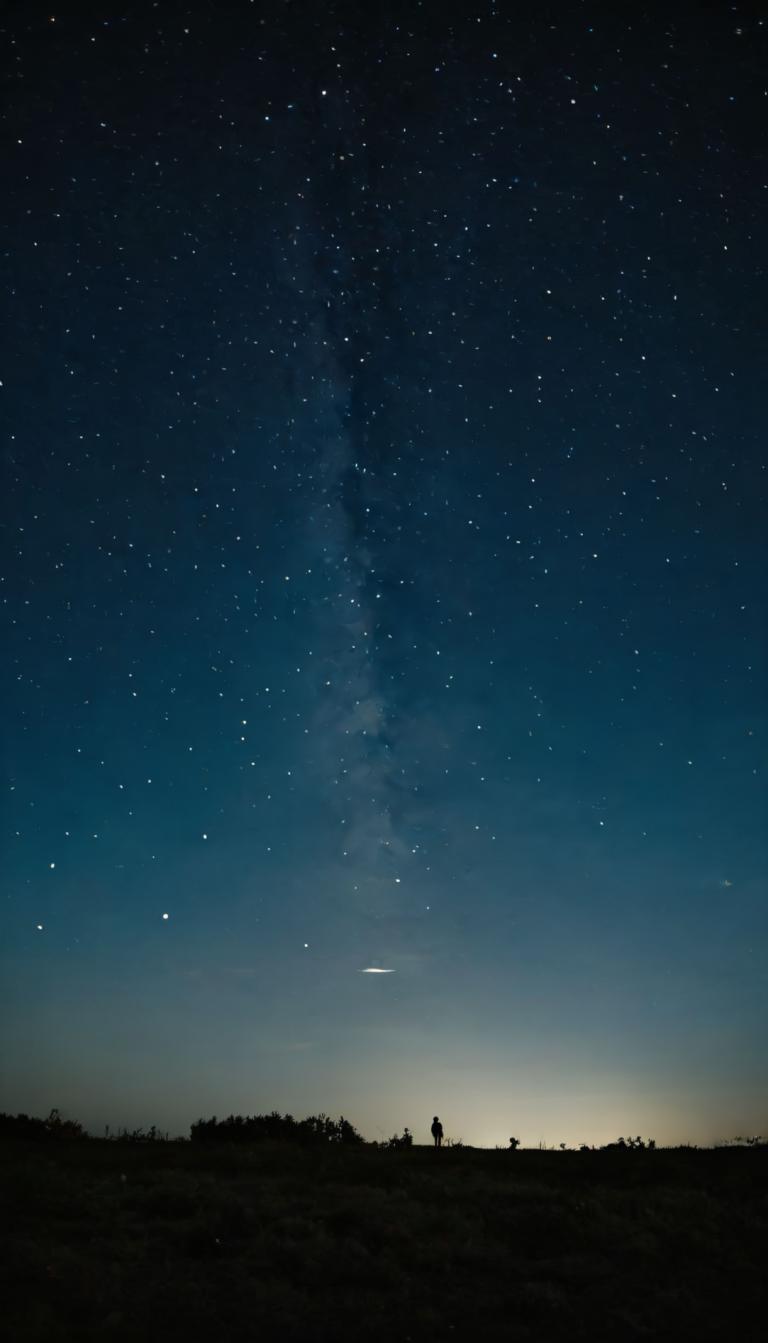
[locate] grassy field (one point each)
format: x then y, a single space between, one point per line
108 1241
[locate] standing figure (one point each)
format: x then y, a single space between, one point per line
437 1132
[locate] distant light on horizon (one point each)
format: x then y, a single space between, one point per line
376 970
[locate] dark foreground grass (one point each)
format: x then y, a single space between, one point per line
169 1241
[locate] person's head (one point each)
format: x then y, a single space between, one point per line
435 1120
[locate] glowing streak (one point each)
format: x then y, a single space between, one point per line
376 970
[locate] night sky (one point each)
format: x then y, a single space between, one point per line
383 567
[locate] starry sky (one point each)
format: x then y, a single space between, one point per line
383 567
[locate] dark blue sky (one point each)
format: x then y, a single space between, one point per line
383 569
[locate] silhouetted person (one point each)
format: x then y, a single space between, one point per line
437 1132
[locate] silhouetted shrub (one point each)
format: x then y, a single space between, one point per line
140 1135
25 1126
629 1144
314 1130
406 1140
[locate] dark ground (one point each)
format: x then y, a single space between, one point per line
110 1241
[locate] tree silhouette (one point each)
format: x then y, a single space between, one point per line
275 1127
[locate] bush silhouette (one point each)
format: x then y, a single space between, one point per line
141 1135
55 1126
630 1144
314 1130
406 1140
